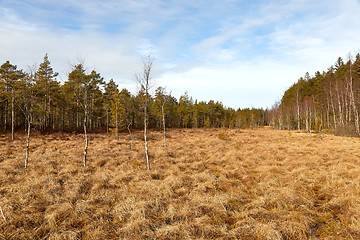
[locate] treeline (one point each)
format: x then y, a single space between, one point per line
327 101
36 98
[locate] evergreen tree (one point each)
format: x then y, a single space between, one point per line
110 89
47 90
10 78
185 110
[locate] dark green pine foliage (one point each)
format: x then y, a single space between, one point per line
84 98
10 82
47 92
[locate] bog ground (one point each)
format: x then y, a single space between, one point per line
207 184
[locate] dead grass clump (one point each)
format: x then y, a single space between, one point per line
173 231
224 136
57 214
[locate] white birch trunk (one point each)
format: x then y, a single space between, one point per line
163 121
352 101
298 109
310 119
86 143
328 113
307 119
145 135
12 115
85 130
130 135
333 109
341 117
107 121
116 120
144 81
27 141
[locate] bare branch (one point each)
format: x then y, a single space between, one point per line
145 83
2 214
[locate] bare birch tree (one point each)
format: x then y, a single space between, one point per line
12 114
29 121
163 120
80 81
333 107
27 107
298 108
85 123
145 82
352 98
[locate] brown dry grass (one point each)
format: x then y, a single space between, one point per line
208 184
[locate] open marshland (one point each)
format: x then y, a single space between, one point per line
206 184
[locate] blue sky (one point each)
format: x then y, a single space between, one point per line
242 53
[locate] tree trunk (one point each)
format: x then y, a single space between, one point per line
328 113
130 135
5 116
63 118
307 119
85 130
107 121
12 115
27 141
116 120
44 120
333 109
310 119
280 119
298 109
341 117
145 135
163 121
77 115
86 143
144 81
92 115
352 102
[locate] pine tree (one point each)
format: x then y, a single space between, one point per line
10 78
161 100
47 90
83 90
110 88
185 110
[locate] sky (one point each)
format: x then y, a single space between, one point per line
241 53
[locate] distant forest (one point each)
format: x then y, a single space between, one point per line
328 101
36 98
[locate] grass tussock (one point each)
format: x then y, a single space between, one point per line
207 184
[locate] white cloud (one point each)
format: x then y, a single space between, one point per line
240 84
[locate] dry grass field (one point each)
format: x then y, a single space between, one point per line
207 184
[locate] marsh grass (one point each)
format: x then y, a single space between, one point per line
207 184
